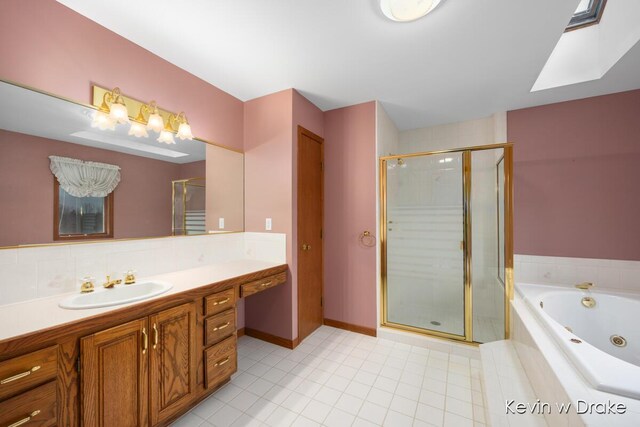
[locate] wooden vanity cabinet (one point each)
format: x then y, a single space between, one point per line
140 370
220 359
115 376
143 365
28 384
173 361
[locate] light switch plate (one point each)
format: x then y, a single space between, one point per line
221 223
267 224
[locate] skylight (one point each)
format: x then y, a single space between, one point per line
588 54
588 13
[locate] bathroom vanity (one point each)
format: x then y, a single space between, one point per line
140 364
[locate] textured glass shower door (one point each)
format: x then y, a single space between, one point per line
424 243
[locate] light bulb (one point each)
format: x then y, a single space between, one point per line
119 113
155 122
138 130
184 131
102 121
166 137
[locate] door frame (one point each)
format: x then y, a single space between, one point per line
468 287
305 132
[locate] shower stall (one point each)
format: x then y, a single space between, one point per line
188 209
446 242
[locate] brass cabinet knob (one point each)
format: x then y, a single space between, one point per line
306 247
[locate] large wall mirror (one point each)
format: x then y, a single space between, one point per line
129 187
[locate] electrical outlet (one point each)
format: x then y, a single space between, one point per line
267 224
221 223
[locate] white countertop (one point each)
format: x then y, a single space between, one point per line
34 315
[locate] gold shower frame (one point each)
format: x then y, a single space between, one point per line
184 182
468 288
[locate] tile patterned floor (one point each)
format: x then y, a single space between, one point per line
340 378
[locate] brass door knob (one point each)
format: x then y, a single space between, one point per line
306 247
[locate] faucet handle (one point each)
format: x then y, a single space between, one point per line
87 285
584 286
130 277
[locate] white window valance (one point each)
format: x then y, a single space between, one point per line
85 179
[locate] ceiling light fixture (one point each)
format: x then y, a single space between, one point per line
113 110
407 10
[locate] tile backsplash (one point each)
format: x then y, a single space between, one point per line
603 273
36 272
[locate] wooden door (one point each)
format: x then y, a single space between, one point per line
310 213
114 376
172 354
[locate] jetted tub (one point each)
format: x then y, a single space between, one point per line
602 341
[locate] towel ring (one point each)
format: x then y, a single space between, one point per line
367 239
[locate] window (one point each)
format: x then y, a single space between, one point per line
77 218
588 13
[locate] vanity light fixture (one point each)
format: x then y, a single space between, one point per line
166 135
112 110
155 122
184 129
138 130
407 10
102 121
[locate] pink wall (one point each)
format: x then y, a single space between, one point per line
26 189
350 208
50 47
576 175
192 170
268 194
271 134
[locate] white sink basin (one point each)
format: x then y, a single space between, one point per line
119 294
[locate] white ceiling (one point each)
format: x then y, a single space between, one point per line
467 59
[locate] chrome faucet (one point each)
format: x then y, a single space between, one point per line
111 283
585 286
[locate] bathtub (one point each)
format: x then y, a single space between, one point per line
587 335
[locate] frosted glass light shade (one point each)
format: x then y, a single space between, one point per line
138 130
166 137
155 122
184 131
102 121
119 113
407 10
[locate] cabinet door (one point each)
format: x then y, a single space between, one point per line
172 361
114 376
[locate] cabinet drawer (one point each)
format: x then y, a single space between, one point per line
24 372
219 326
220 362
262 284
219 301
32 408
